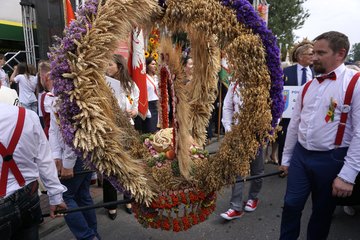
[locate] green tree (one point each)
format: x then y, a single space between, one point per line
354 54
285 17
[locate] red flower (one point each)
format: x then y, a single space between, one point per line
194 218
176 226
183 198
165 224
186 223
175 199
202 217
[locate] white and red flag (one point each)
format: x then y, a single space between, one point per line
137 68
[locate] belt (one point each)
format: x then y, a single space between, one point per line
30 189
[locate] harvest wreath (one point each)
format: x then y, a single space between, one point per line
93 124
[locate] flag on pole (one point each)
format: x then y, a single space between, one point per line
224 74
137 68
69 12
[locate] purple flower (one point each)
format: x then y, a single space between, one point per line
59 65
246 15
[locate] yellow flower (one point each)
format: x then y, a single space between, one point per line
155 55
151 40
147 54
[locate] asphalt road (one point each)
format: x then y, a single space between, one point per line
262 224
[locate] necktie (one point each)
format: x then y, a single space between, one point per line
331 76
303 77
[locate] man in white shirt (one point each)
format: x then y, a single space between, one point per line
315 161
24 156
231 106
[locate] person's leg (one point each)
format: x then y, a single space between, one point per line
281 137
297 192
256 168
236 202
324 170
76 221
84 199
10 219
109 194
28 203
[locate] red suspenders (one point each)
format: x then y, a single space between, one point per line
344 111
7 155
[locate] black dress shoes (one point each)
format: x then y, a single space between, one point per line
112 216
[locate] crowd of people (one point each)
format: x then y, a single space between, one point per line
317 146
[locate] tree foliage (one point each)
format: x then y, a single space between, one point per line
285 17
355 52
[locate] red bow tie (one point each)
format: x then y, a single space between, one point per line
331 76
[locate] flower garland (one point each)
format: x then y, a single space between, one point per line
164 97
176 210
153 44
248 16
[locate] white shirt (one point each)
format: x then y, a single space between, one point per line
32 153
152 87
309 74
9 96
27 88
232 101
4 78
129 102
59 149
308 126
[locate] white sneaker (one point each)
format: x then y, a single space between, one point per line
349 210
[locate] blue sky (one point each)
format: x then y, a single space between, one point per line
331 15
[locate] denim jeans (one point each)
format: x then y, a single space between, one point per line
20 214
82 224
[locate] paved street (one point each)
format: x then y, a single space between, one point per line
262 224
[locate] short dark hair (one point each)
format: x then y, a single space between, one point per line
337 41
2 56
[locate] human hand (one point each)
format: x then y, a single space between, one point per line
340 188
67 173
58 163
56 208
285 170
132 113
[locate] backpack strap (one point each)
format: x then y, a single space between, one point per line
345 110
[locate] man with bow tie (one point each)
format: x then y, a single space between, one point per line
321 154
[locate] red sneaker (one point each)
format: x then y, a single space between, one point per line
251 205
232 214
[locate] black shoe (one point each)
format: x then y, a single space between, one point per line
112 216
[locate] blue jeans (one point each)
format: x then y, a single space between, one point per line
82 224
20 214
311 172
